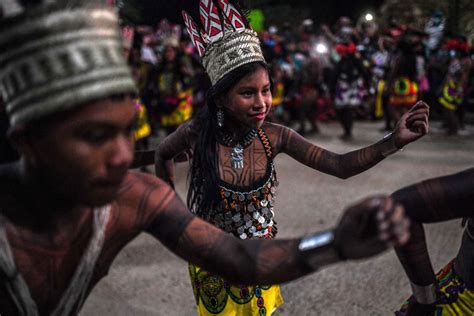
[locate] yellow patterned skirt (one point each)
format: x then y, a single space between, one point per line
215 296
452 95
455 298
183 111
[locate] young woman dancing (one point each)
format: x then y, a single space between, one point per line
233 179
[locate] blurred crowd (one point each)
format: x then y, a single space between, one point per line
345 72
342 72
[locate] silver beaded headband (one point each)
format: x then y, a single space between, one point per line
224 43
56 58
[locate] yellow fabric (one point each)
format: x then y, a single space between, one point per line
278 94
379 99
143 128
452 95
459 299
182 113
214 296
455 299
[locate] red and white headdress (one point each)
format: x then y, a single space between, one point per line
224 43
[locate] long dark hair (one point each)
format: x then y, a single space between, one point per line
204 178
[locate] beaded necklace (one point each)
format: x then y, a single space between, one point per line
237 154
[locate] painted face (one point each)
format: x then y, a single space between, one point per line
250 100
84 156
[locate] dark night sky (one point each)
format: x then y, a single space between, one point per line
326 11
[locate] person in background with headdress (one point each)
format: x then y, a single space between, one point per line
344 31
455 82
169 89
140 65
402 86
69 205
233 181
350 87
380 62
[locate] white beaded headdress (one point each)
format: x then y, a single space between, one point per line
56 55
224 43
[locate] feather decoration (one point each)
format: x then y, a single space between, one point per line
194 33
232 15
211 22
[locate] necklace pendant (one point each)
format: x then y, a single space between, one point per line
237 156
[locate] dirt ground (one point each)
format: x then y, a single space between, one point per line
147 279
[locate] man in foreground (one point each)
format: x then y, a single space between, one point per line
69 205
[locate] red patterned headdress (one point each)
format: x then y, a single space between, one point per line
225 43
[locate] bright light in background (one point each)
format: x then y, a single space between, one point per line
321 48
369 17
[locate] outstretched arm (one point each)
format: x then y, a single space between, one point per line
433 200
413 125
365 229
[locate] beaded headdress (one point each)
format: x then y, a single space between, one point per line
56 55
224 43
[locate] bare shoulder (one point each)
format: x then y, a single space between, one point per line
188 129
137 184
182 139
278 135
152 206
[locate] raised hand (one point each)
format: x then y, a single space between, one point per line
412 125
371 226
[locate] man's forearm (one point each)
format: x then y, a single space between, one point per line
414 257
243 262
365 229
433 200
439 199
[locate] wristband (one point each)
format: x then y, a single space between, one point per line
318 249
424 294
387 145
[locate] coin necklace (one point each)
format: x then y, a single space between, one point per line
237 154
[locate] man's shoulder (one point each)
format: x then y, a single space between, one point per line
140 199
139 187
136 181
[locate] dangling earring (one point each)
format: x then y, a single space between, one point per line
220 118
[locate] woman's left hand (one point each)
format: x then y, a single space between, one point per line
412 125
